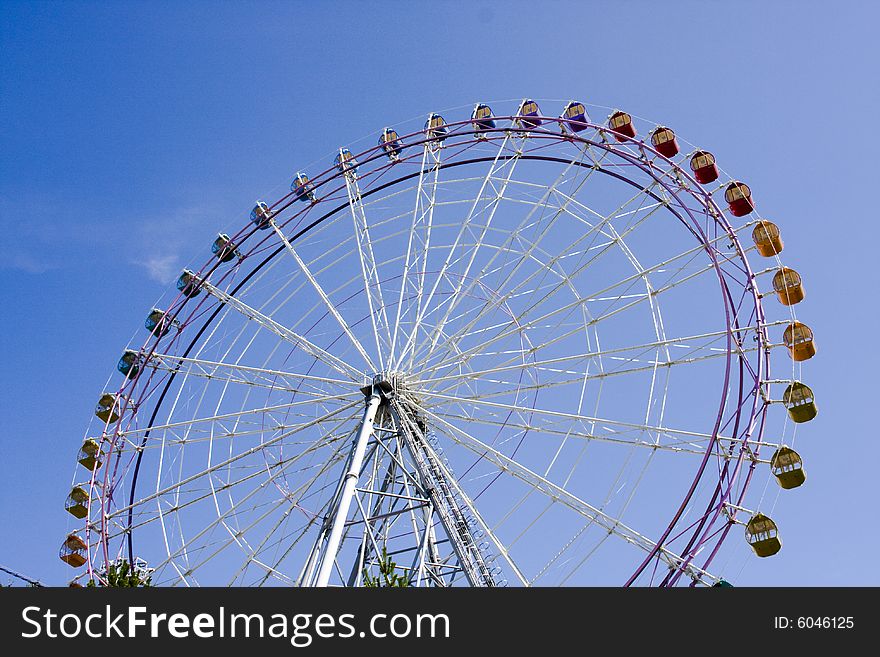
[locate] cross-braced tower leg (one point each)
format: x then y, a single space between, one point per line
394 503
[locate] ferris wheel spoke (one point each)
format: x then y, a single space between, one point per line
224 544
284 333
275 470
331 307
369 268
573 429
219 520
494 174
515 364
251 556
307 384
525 411
303 532
556 493
565 548
248 452
217 433
513 327
473 509
554 375
133 433
543 204
419 239
650 198
143 519
545 295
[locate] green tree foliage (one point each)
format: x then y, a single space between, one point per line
387 577
121 574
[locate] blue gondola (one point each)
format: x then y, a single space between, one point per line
482 119
130 364
576 116
224 248
345 161
261 215
389 140
302 189
188 283
436 127
527 114
157 322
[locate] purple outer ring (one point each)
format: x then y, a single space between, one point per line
707 534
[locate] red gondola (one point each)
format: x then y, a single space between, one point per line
663 139
621 125
739 199
704 167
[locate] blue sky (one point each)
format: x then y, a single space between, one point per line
132 132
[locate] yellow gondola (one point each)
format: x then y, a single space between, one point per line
763 535
799 400
90 455
106 408
788 468
77 502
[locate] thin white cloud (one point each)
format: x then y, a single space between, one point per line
167 243
26 263
161 268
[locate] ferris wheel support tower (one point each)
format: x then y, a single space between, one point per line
390 414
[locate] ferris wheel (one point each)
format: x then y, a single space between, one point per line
500 349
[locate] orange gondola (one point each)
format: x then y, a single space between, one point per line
788 286
767 238
73 551
798 339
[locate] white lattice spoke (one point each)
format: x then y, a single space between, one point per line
284 333
512 468
331 307
370 270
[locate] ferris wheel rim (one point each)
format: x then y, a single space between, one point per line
341 207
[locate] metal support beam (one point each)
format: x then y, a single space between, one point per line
448 508
350 480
